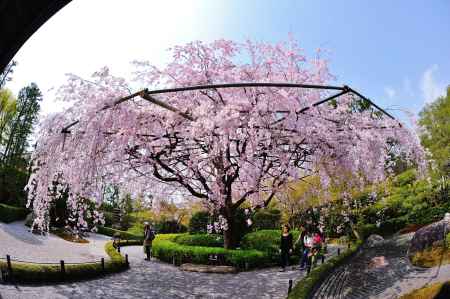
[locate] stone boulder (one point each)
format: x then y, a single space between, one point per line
373 240
378 262
428 235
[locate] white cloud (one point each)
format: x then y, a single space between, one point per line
431 89
390 92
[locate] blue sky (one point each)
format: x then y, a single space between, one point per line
395 52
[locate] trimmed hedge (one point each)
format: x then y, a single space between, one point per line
9 213
42 273
165 249
123 234
206 240
268 241
306 286
267 219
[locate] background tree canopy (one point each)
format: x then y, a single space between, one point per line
435 135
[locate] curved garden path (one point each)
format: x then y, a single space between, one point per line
19 243
151 279
156 279
357 280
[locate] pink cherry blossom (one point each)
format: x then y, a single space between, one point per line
236 145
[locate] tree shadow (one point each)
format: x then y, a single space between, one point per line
20 232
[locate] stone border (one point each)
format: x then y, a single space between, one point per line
208 269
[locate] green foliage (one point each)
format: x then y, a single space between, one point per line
267 219
109 218
137 220
435 122
267 241
123 234
207 240
407 201
304 288
14 142
165 249
169 227
198 222
9 213
43 273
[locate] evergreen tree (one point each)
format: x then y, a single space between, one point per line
14 161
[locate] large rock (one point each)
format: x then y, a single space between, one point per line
374 240
431 234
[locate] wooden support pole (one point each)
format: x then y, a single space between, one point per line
63 270
146 96
290 286
8 262
103 264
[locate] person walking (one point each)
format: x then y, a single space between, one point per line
316 248
285 247
149 236
299 245
307 246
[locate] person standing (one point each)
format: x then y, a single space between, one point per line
149 236
307 245
285 247
299 245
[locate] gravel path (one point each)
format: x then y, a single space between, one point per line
160 280
19 243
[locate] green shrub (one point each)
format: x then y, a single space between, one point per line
9 213
123 234
170 227
206 240
44 273
267 241
304 288
267 219
367 229
109 219
165 249
198 222
264 240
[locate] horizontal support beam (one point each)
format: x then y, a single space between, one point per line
250 84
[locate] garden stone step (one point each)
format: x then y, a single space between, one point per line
208 268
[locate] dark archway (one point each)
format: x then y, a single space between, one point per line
19 19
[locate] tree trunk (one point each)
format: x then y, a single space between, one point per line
229 240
